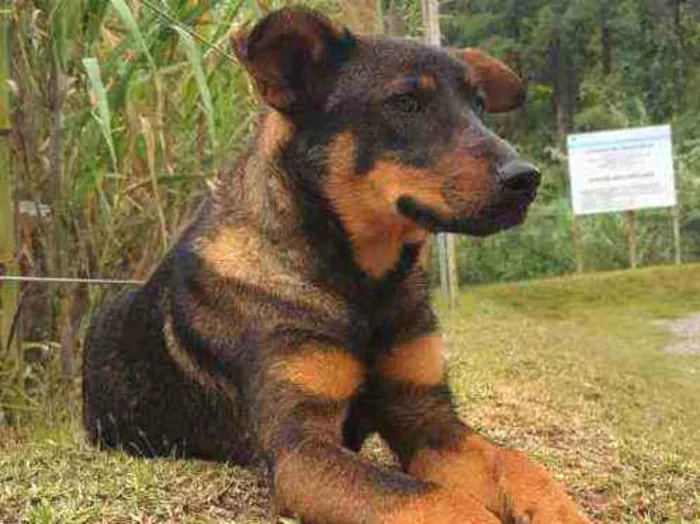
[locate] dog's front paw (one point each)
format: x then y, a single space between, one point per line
507 483
530 495
555 509
441 507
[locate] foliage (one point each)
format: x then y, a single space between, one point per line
589 65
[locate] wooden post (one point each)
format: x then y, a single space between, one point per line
577 245
393 19
8 265
446 243
452 277
431 22
441 243
632 237
676 212
363 16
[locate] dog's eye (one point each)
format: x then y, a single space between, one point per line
406 103
479 103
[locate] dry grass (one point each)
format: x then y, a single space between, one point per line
57 478
571 370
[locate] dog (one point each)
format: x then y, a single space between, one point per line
291 319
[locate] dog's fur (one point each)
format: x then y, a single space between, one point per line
291 319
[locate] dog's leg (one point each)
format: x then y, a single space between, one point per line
302 403
415 414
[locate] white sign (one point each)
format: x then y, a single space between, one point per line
621 170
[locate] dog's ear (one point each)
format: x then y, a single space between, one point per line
292 55
502 88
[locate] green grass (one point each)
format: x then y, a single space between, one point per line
571 370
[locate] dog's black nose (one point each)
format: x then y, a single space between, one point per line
519 176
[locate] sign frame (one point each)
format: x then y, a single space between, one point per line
621 170
626 158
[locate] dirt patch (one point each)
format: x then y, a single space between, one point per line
687 333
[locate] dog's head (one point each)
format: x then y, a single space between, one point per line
399 125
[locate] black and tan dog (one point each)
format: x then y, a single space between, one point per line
291 319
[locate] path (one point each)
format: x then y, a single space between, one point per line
687 333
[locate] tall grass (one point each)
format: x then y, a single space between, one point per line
122 115
147 117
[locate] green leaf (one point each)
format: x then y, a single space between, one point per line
103 117
195 59
125 14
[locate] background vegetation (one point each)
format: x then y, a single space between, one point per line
590 65
121 117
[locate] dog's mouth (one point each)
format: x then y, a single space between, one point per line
491 220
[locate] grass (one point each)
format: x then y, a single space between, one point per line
57 479
571 370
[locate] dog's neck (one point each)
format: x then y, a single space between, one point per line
254 194
282 202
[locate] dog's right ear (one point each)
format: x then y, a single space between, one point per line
291 55
503 89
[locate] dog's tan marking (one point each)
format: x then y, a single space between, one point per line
367 204
322 372
472 464
507 482
467 176
191 369
353 496
239 253
367 207
275 131
427 82
440 506
392 180
418 362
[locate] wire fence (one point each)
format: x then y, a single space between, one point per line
67 280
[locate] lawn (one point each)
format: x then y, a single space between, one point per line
581 372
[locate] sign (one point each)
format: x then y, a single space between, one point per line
621 170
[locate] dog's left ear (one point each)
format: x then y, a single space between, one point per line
292 55
502 88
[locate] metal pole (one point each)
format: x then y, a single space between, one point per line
452 278
431 22
441 242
